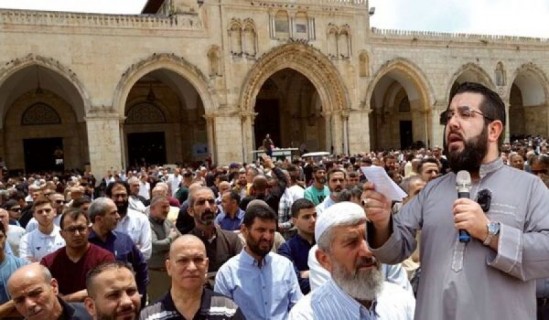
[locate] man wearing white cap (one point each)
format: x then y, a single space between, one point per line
357 289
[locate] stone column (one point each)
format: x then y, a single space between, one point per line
329 134
437 130
229 138
345 120
337 132
359 127
104 139
210 132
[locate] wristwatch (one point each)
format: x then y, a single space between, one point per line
493 231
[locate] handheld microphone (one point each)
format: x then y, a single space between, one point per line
463 186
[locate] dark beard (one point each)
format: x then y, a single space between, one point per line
255 248
122 208
470 158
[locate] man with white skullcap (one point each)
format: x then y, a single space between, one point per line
357 289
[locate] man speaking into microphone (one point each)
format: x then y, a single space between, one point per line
492 275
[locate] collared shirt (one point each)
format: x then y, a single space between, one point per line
330 302
136 225
328 202
213 306
35 245
123 248
160 241
220 248
297 250
136 204
316 196
73 311
479 283
33 224
224 221
268 291
7 267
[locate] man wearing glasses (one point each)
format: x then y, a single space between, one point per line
71 263
491 276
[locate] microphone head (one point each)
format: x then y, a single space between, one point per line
463 181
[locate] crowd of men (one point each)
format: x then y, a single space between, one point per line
290 239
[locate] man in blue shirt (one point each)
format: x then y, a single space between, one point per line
104 215
231 217
297 247
262 283
8 264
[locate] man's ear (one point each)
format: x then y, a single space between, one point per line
90 306
190 211
54 286
323 259
495 130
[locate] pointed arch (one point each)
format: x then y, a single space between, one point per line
470 72
533 82
170 62
308 61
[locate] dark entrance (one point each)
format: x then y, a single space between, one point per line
267 121
41 154
406 137
146 148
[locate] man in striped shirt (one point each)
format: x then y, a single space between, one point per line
357 289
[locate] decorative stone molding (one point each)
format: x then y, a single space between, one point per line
475 69
305 59
235 37
40 114
69 19
500 75
324 3
214 58
145 112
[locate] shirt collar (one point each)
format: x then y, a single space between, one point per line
349 301
248 259
489 167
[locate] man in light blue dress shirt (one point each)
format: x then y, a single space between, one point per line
356 289
262 283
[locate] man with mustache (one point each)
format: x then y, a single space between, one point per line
187 298
133 223
220 244
493 275
318 191
337 182
261 282
112 292
34 293
356 289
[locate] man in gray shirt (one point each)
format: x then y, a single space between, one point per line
493 275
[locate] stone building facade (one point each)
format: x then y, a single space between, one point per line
187 79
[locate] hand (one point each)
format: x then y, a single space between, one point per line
173 234
376 205
267 161
468 216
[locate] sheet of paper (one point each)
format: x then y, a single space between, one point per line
383 183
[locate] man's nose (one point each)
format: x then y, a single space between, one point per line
365 249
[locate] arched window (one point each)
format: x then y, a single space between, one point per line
40 114
145 112
282 28
301 26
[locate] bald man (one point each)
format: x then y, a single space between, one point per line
187 265
34 293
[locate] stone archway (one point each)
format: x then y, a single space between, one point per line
188 88
313 65
399 100
469 72
33 91
528 112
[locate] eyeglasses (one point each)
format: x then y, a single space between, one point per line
80 229
202 202
60 201
463 112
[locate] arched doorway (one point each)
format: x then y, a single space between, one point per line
43 126
401 116
528 112
289 109
164 121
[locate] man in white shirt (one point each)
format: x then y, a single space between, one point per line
357 289
13 234
133 223
58 203
44 240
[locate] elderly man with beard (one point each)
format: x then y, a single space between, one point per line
133 223
337 182
356 289
220 244
261 282
493 275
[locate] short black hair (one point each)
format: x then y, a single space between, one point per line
117 183
74 214
260 210
301 204
427 160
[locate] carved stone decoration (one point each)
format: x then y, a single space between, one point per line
235 35
214 58
40 114
344 42
364 64
500 75
332 41
249 38
282 25
145 112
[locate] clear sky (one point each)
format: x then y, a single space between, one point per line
504 17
